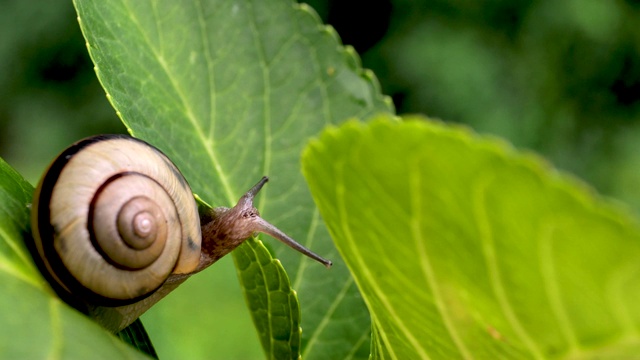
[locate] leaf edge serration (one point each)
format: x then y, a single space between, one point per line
349 54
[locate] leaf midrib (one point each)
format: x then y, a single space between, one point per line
186 106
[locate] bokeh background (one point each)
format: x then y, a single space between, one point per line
561 78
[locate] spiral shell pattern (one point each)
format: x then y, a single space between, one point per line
112 219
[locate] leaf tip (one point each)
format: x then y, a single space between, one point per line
308 10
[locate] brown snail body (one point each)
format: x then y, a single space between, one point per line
116 228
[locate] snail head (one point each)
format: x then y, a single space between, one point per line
228 228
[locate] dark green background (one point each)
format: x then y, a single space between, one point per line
561 78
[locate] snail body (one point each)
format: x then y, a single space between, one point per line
116 227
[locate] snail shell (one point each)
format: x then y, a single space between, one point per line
112 219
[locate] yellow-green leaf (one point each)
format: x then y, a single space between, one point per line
465 248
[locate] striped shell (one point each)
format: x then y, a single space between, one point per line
112 218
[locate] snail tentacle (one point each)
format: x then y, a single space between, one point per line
227 228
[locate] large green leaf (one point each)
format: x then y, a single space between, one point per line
465 248
35 323
231 91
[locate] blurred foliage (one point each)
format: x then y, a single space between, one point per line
560 78
50 94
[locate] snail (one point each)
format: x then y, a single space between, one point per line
116 227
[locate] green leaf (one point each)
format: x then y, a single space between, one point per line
278 318
231 91
37 324
465 248
15 200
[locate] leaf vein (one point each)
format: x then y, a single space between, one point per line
428 272
266 98
327 317
188 111
551 288
366 272
488 250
